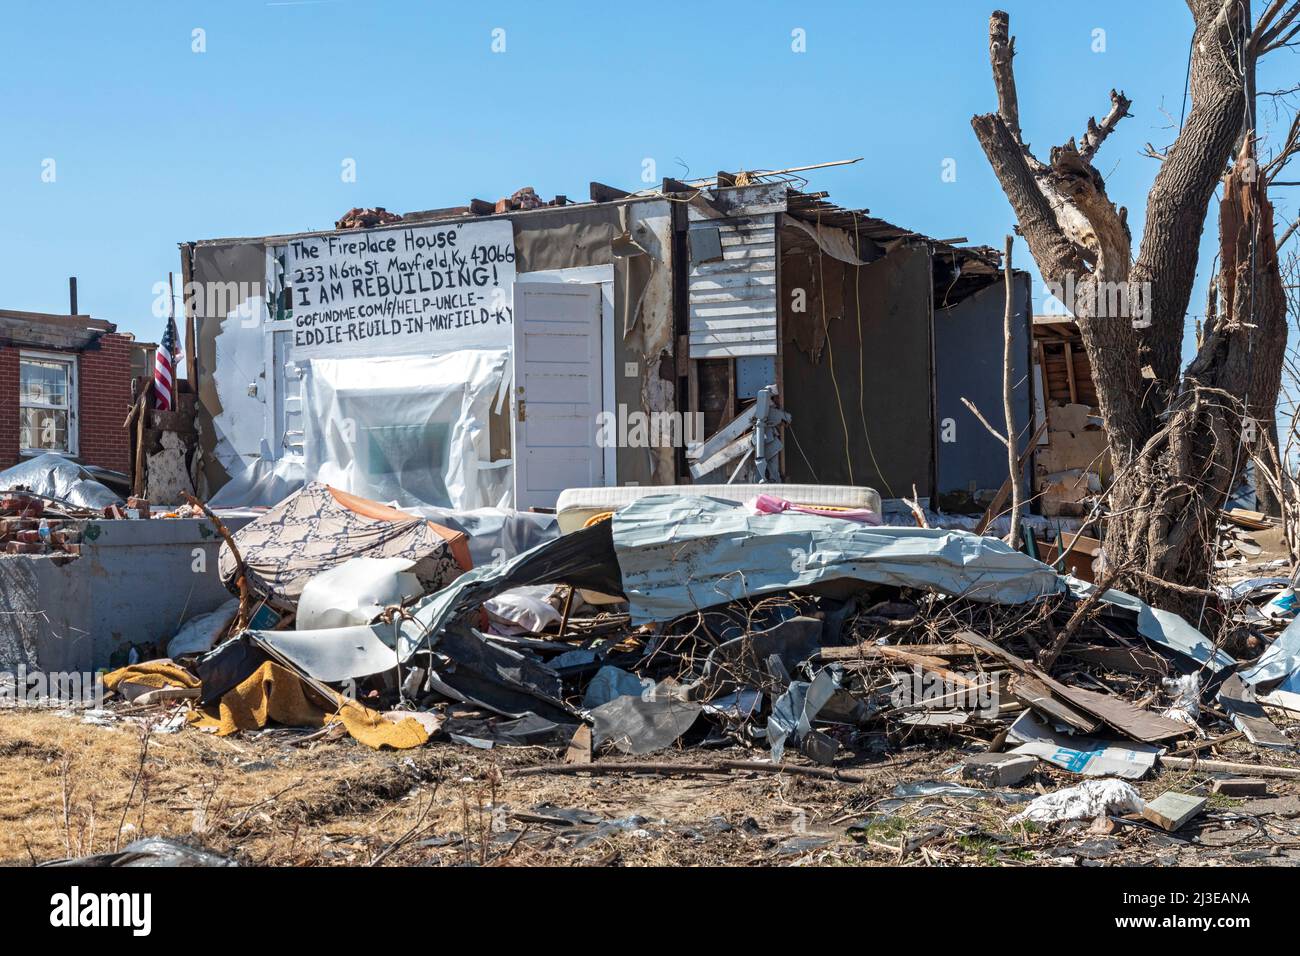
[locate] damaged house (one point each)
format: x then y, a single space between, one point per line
66 386
495 355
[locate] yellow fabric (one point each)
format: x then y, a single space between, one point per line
155 674
274 693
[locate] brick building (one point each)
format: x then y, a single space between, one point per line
65 387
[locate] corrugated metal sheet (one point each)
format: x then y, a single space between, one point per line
732 300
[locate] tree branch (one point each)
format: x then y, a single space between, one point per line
1107 234
1290 147
1290 231
1055 254
1179 197
1271 26
1096 135
1002 49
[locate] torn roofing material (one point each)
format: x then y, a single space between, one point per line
680 554
1280 660
1163 627
584 559
671 555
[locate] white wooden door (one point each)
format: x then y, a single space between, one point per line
557 392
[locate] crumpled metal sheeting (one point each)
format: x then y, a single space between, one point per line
642 724
610 683
467 667
681 554
334 654
149 852
497 678
526 731
1163 627
1280 660
584 559
795 710
355 592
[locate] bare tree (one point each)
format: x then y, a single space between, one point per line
1174 435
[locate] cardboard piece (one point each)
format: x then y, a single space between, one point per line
1088 756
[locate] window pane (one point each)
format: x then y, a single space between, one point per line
43 428
43 383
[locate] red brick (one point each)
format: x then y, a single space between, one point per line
103 400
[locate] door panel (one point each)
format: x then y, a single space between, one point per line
557 393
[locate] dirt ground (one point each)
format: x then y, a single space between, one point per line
69 788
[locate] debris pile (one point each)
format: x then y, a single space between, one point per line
28 526
697 623
1237 544
693 635
47 502
358 218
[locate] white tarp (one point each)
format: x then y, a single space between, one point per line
1090 799
413 430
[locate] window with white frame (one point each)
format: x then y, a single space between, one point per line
47 403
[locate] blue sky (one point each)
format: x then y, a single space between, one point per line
155 144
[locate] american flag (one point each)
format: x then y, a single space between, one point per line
164 368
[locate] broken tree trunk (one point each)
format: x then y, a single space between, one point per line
1174 439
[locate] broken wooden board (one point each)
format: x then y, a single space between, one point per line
1251 520
935 718
580 746
1249 717
933 665
1172 809
871 651
1034 693
1124 716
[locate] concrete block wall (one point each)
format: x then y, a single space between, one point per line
135 582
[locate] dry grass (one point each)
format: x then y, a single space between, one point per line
64 788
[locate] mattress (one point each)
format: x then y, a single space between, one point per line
577 505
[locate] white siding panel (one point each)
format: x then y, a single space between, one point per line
733 309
